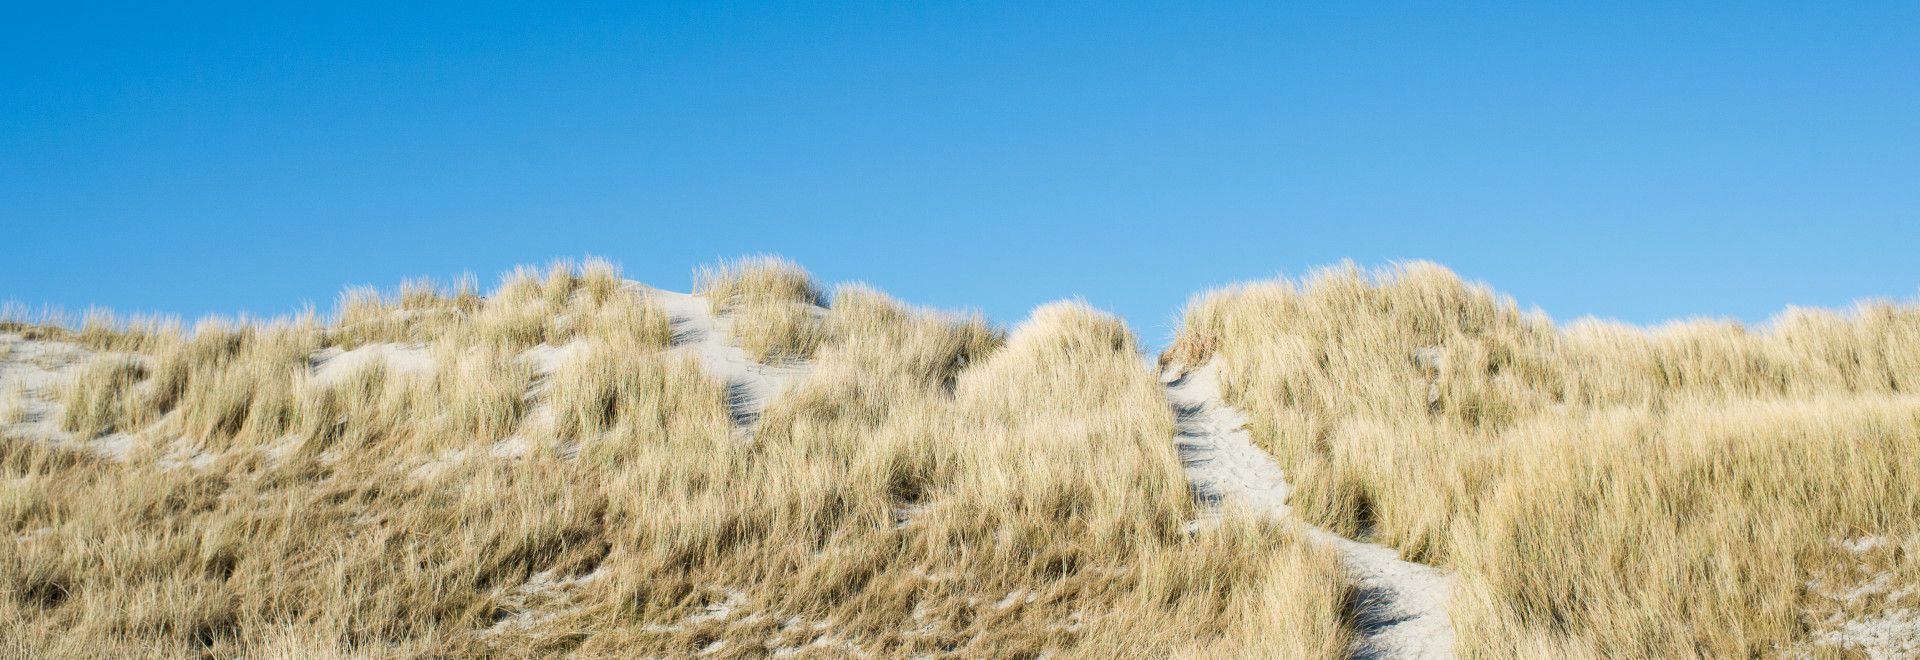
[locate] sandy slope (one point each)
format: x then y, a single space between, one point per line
1403 605
32 371
698 331
332 364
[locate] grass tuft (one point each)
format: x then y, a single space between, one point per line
756 280
775 308
102 399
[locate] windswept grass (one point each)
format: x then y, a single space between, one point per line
13 398
755 280
235 384
623 405
535 472
101 399
898 503
1600 489
98 329
774 306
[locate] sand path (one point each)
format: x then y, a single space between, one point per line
1402 605
698 331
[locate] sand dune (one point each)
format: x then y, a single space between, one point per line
1388 465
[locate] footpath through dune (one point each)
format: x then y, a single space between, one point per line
701 333
1402 605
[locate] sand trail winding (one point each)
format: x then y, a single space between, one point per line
1402 605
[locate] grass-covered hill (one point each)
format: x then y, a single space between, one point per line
575 464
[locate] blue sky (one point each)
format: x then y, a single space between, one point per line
1636 162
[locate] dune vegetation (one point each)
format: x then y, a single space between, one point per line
560 466
1700 489
544 470
775 306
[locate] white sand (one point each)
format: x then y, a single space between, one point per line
331 364
33 371
1890 634
697 331
1403 604
1865 616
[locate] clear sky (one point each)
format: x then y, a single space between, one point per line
1635 162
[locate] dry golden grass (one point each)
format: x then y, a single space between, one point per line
13 397
98 329
1024 511
935 486
101 330
528 308
101 398
775 332
774 306
1599 489
621 405
759 279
